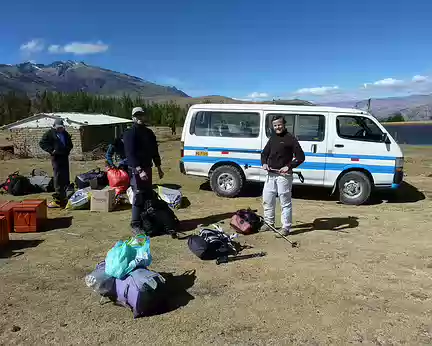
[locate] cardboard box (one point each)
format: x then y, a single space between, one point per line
102 200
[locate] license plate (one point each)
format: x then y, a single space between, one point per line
201 153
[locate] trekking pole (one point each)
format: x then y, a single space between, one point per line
293 243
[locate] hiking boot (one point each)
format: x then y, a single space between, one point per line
54 204
266 228
285 231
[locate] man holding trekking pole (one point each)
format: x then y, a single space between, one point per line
280 156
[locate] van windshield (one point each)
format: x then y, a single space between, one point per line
358 128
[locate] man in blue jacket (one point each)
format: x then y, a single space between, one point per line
141 151
116 151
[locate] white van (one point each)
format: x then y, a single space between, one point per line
346 149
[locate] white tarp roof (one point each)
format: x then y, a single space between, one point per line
76 120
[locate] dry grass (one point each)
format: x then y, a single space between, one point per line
361 275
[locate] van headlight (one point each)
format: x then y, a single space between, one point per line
399 164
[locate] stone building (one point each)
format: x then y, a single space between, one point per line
88 132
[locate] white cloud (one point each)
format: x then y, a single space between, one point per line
54 48
318 91
420 79
258 95
79 48
33 46
385 83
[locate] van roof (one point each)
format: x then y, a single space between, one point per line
274 107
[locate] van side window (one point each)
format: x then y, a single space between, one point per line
226 124
358 128
289 118
310 128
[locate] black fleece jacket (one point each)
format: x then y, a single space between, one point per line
282 150
141 147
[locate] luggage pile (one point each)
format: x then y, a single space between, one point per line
125 279
37 181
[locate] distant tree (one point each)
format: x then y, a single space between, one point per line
395 117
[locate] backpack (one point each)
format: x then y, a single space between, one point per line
143 291
157 217
210 244
95 177
245 221
17 185
41 181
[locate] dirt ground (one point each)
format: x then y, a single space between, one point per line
361 274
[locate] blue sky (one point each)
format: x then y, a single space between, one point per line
311 49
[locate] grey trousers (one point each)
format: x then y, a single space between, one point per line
281 185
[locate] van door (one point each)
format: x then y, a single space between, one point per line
217 136
357 141
310 130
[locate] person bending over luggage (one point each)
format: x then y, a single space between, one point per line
141 150
116 152
281 154
58 143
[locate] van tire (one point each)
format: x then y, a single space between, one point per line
354 188
230 177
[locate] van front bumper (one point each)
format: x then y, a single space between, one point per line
397 179
182 168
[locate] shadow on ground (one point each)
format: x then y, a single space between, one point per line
190 225
406 193
337 224
15 247
57 223
175 291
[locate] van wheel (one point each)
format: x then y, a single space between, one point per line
226 181
354 188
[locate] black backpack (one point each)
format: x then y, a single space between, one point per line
157 217
17 185
211 244
95 177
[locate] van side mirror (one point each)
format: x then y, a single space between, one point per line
386 138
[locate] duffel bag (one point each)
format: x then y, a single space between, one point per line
96 177
143 291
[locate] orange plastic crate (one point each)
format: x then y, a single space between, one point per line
4 231
30 216
6 210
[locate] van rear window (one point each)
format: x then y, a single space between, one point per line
225 124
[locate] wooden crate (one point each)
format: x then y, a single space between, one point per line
4 231
30 216
6 210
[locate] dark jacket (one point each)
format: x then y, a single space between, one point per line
54 146
116 149
141 147
282 150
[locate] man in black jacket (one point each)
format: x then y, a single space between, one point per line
281 154
141 151
58 143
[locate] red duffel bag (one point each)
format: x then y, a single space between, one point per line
118 179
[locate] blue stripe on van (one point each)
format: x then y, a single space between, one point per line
258 151
234 150
305 165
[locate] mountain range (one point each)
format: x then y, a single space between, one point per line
412 107
71 76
